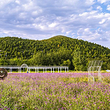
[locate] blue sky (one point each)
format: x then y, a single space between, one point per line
88 20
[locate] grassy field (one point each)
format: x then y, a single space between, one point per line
54 91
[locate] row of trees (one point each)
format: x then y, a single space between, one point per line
74 60
59 50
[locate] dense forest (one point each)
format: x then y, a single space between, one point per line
58 50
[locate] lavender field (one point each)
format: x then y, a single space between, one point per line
54 91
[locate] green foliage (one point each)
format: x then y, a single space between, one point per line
67 63
58 50
79 60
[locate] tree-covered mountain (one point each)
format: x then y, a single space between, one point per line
58 50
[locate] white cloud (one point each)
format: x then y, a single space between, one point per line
17 1
108 7
23 15
68 32
90 2
4 3
29 6
38 19
97 35
52 25
36 12
99 8
78 2
102 21
103 1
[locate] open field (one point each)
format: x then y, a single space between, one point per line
54 91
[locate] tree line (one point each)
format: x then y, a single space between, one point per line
56 51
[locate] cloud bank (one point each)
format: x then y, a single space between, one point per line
38 19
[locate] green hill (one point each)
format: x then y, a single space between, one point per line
58 50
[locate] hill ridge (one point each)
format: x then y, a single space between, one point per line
57 50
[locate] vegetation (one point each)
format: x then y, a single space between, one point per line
54 91
58 50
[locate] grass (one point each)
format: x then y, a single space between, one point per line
54 91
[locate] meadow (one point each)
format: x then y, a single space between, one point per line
54 91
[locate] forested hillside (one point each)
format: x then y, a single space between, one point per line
58 50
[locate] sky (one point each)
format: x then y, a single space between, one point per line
88 20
